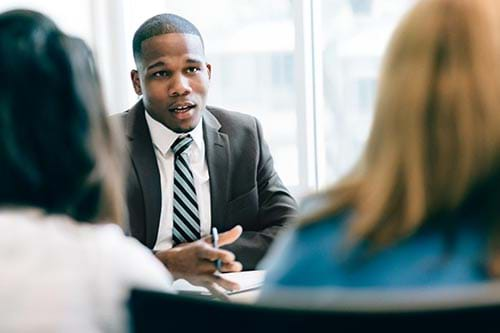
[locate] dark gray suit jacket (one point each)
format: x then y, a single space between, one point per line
244 187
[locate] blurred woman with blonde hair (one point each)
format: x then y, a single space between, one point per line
420 207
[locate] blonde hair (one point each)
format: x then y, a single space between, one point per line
436 134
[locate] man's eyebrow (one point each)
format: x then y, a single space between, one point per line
194 60
156 64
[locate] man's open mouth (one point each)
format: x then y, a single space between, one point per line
181 108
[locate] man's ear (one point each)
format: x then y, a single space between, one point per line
136 82
209 68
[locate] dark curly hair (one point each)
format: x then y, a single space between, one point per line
159 25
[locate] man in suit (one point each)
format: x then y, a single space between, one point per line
224 178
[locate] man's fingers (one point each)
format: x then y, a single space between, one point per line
211 254
215 284
209 280
230 236
234 266
226 237
217 292
225 283
207 267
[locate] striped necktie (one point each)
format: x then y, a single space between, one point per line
186 226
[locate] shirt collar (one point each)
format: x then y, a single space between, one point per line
163 137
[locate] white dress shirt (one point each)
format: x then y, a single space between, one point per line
163 138
62 276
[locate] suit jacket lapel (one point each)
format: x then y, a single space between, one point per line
144 162
218 161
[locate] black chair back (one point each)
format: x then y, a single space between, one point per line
161 312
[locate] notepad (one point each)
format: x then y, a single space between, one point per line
248 280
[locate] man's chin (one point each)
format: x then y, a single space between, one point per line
181 126
183 130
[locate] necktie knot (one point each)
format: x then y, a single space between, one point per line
181 144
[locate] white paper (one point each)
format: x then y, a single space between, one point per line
248 280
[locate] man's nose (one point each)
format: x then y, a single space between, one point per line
179 86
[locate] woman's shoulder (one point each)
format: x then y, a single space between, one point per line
101 247
323 227
130 258
305 251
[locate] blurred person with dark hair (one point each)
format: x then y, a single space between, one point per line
67 267
420 207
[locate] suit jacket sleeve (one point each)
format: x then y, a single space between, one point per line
275 208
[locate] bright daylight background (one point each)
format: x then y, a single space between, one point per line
306 68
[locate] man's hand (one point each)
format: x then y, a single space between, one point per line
195 262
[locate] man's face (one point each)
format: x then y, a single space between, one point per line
173 78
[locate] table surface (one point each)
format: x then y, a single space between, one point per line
250 282
247 297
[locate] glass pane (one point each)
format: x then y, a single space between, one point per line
355 36
250 45
74 17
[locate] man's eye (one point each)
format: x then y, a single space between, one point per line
160 74
193 69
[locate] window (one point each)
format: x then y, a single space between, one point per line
307 69
354 35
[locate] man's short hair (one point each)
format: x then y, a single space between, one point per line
159 25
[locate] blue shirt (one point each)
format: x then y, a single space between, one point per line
314 256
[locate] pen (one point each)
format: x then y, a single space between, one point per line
215 243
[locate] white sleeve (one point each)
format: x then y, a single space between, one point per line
140 268
126 264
